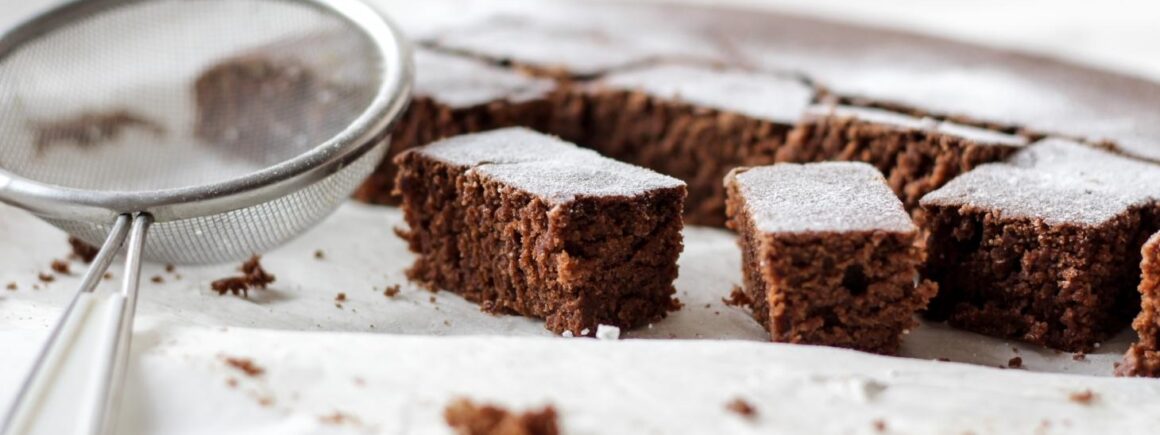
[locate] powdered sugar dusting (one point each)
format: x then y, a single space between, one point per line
765 96
821 197
546 166
977 135
459 82
1058 181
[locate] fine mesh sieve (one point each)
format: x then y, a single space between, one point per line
220 127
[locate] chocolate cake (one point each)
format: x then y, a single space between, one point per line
692 121
455 95
828 253
1143 358
525 223
916 154
1042 248
272 96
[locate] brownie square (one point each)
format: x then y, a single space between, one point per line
828 254
1042 248
1143 358
916 154
692 121
527 224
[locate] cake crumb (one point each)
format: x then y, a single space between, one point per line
339 418
391 291
157 279
738 298
879 425
1085 397
743 408
232 382
1078 356
11 286
468 418
340 297
61 267
246 366
607 332
266 401
675 305
253 277
170 268
88 129
432 299
45 278
1015 363
81 250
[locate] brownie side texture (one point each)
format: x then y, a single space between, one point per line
1042 248
1143 357
917 155
525 224
457 95
691 121
839 278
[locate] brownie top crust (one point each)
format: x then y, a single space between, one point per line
974 134
820 197
462 82
546 166
1057 180
759 95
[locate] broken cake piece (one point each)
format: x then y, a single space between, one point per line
692 121
1042 248
828 254
525 223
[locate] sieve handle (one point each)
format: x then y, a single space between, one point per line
75 383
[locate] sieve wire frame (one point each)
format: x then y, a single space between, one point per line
72 208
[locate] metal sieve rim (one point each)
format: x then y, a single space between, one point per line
364 133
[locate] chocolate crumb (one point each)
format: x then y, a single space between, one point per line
60 266
232 383
468 418
432 299
266 401
81 250
942 359
741 407
157 279
1085 397
319 255
246 365
107 276
341 297
169 268
88 129
253 277
879 425
11 286
339 418
1078 356
45 278
738 298
391 291
1015 363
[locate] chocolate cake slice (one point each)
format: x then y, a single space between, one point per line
1143 358
828 254
454 95
916 154
1042 248
272 96
527 224
692 121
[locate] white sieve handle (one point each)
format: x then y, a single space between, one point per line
75 383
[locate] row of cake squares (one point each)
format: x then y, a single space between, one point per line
1043 247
